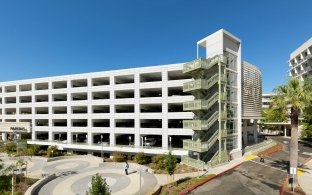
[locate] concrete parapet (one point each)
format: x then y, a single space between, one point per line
31 190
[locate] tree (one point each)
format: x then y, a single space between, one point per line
98 186
5 179
296 95
307 123
170 164
274 115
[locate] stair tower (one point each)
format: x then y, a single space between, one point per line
215 106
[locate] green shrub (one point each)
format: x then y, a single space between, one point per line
142 159
98 186
5 184
54 153
119 157
159 161
10 147
33 150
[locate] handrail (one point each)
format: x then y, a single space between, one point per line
213 139
202 63
200 83
201 124
200 103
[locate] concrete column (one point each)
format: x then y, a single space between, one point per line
165 140
90 138
4 136
245 137
255 133
33 135
112 139
69 137
165 130
50 135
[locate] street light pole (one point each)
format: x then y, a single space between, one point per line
140 170
142 141
170 143
13 181
102 146
17 135
129 140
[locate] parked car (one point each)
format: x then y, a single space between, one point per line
149 141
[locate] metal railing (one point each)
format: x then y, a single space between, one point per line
199 146
200 84
201 124
193 162
216 160
202 63
259 147
200 104
223 133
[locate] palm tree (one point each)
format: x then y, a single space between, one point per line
296 95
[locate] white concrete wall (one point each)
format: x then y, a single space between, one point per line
165 132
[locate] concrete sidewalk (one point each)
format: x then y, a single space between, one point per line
305 179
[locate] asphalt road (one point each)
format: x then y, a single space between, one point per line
305 150
250 178
253 177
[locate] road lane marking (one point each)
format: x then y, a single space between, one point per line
250 157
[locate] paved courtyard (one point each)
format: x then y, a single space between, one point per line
74 177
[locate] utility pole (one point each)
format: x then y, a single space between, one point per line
13 181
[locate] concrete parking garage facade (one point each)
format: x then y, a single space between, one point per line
121 110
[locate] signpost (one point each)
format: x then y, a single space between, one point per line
293 172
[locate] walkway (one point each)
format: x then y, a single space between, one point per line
305 178
74 177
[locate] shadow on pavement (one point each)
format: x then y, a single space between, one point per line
66 173
282 164
129 173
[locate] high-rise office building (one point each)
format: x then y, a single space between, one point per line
301 61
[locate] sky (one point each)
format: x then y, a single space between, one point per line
40 38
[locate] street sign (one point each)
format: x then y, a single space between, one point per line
293 170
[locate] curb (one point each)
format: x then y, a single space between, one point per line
283 187
188 190
31 190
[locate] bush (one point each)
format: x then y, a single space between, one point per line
142 159
5 183
54 153
98 186
33 150
159 161
119 157
10 147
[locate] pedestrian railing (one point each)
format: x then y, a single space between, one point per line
259 147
